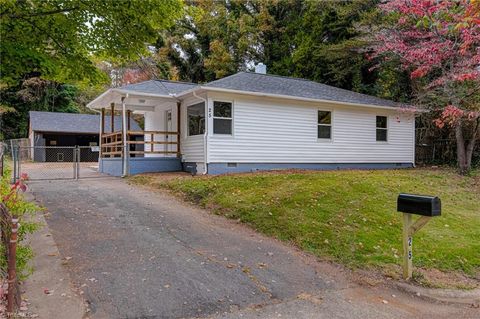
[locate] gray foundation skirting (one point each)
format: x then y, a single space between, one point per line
224 168
138 165
190 167
113 166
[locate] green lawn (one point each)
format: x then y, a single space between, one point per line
348 216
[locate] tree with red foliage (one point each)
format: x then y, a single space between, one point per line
438 42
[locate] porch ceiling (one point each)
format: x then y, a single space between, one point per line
134 101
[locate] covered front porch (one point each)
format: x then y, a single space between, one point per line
126 150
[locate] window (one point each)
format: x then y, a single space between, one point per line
196 119
382 129
222 117
324 124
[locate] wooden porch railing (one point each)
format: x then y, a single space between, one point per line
112 143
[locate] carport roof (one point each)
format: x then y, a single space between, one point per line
72 122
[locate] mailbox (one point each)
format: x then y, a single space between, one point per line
419 205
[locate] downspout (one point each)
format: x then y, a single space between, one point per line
205 135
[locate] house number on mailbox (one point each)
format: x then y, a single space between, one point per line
409 205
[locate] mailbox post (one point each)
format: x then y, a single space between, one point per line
409 204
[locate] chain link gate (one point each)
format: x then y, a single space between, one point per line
54 162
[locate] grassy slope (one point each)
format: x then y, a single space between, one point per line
349 216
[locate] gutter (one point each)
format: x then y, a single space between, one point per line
137 93
205 135
129 93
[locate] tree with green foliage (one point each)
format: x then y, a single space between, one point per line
212 40
317 40
35 94
47 43
62 39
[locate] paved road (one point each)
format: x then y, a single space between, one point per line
142 254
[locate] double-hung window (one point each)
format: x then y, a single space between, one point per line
222 117
196 119
324 125
382 128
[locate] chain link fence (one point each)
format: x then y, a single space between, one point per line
55 162
441 152
8 237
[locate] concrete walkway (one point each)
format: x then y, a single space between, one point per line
49 290
141 254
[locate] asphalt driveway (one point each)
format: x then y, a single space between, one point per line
141 254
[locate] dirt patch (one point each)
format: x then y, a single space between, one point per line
434 278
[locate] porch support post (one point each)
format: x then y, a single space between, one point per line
179 107
125 154
102 131
102 123
112 118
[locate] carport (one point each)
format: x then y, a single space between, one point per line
52 135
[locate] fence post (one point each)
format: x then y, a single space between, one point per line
16 161
2 163
12 263
19 162
76 161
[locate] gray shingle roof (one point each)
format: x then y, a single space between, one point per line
73 122
266 84
273 84
162 87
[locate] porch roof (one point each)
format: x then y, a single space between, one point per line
143 96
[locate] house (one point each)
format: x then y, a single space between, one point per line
52 135
255 121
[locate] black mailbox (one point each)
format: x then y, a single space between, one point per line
419 205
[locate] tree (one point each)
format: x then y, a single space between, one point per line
213 39
438 43
62 39
35 94
308 39
330 48
47 43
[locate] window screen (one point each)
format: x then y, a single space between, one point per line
196 119
222 117
382 128
324 124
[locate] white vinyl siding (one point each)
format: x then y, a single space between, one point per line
279 131
192 147
156 121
